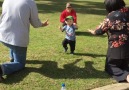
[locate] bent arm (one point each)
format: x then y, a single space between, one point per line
102 28
75 17
34 19
62 17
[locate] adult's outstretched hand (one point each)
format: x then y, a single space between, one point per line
46 23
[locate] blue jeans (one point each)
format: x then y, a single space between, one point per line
18 54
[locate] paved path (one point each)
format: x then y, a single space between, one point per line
118 86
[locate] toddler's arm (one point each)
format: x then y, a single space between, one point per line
62 28
75 25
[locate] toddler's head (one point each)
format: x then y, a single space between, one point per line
69 20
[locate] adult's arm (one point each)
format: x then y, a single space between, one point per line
62 17
102 28
34 19
75 16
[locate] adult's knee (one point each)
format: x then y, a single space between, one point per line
22 65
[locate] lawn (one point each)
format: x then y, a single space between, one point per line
48 66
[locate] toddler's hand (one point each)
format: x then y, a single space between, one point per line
66 22
60 28
74 24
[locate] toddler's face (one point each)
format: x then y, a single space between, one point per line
69 21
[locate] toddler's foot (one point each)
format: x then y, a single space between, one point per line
72 53
65 49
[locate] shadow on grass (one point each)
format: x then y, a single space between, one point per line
88 54
50 69
1 3
70 71
84 7
1 6
81 33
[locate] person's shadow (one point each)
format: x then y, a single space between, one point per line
89 54
71 71
82 33
50 69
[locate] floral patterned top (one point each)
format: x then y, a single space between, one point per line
116 25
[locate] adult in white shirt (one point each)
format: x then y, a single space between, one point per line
14 31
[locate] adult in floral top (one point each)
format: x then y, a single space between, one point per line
116 25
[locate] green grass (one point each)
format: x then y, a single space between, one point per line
47 66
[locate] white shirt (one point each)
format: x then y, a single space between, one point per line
17 15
